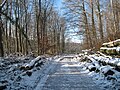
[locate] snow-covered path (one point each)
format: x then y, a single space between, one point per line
66 75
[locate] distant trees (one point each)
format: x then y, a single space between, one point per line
1 28
113 18
98 19
30 26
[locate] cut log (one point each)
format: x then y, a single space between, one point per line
91 68
111 78
29 73
118 50
3 86
30 65
117 69
117 42
107 70
110 51
111 48
109 44
112 43
104 60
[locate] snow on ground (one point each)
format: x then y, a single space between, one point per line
22 72
105 75
15 74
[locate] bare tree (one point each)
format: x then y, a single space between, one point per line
100 21
1 29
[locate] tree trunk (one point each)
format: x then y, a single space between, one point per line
26 28
38 24
87 31
16 35
100 22
10 39
93 26
1 43
58 43
6 30
63 41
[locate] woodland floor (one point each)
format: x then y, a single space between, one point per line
66 74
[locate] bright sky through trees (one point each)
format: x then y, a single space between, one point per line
58 3
72 36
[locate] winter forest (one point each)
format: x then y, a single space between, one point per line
39 34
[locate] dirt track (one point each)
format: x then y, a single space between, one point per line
66 75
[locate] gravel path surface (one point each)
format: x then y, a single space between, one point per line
66 75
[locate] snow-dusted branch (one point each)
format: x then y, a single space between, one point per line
2 4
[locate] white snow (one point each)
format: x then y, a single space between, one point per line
40 74
46 75
17 78
33 62
118 49
113 48
108 82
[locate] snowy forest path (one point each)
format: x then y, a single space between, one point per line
66 75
